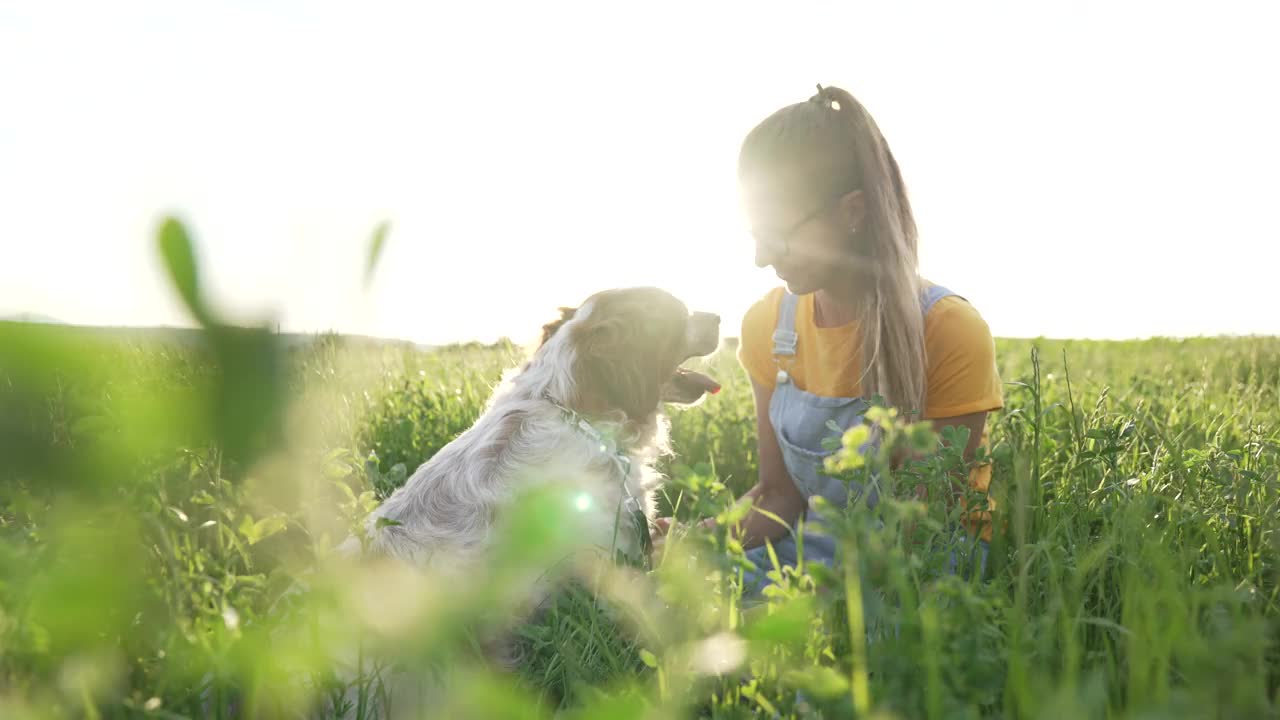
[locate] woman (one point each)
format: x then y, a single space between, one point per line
830 214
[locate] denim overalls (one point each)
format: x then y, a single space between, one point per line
800 422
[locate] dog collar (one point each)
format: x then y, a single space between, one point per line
606 444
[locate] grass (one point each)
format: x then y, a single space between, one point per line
167 520
1135 573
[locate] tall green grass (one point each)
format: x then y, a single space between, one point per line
167 516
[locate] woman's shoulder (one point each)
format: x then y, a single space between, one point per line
962 376
956 335
952 314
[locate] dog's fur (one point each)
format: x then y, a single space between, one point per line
612 361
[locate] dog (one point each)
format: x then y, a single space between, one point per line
587 409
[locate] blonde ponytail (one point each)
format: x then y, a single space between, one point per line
847 152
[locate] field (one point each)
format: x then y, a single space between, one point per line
162 506
169 512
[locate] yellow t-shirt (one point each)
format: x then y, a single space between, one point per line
961 375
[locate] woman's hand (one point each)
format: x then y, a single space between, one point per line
658 535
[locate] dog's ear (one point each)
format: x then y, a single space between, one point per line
615 365
566 314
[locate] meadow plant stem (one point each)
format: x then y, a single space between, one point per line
859 684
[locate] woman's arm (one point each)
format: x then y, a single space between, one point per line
775 492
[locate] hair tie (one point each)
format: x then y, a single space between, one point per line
821 98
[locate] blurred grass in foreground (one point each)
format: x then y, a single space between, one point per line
167 515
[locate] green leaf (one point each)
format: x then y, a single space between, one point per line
922 437
821 682
493 696
249 397
396 476
735 513
788 624
630 704
248 529
267 527
346 490
256 532
649 659
823 576
956 436
180 260
336 453
376 244
387 522
337 470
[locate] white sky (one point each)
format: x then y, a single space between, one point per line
1078 169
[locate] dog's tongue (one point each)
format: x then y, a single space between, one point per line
693 377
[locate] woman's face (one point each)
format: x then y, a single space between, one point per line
807 240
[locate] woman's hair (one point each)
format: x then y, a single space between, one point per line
826 148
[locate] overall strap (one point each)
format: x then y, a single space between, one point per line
932 295
784 335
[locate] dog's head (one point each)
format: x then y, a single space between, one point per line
627 346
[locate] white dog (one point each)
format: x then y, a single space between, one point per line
586 410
